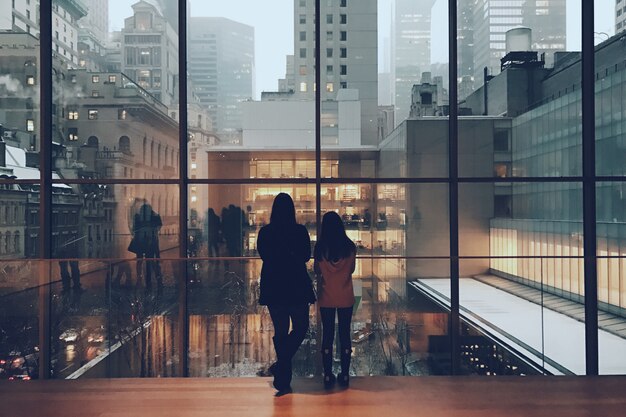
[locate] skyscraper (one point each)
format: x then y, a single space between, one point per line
620 16
221 65
348 36
492 19
411 50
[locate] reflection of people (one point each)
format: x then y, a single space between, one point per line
212 230
335 257
70 272
233 219
145 242
286 289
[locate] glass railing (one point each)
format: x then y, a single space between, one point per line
125 319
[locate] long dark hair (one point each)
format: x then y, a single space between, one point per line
283 210
333 243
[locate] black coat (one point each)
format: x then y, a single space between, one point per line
285 250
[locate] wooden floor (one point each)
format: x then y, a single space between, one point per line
377 396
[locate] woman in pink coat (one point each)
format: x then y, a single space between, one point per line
335 256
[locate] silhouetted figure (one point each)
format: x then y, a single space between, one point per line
335 260
212 228
145 242
286 289
233 220
69 269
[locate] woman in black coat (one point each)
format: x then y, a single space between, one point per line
286 289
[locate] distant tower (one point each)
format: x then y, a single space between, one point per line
349 55
222 67
546 18
411 50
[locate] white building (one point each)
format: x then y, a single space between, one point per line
19 16
23 16
285 124
65 16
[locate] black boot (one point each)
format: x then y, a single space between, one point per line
327 364
282 368
344 376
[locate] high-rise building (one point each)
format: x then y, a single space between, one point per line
620 16
348 35
411 50
221 65
492 19
19 16
65 16
465 32
150 52
23 16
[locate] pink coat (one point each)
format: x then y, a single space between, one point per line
335 286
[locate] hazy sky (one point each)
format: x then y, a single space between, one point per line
273 23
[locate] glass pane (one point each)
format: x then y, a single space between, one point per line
611 234
99 221
396 330
519 70
121 322
251 90
20 79
407 135
115 90
19 318
19 210
516 325
382 219
224 220
610 88
521 219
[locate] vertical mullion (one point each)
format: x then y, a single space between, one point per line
45 188
589 189
318 149
183 318
453 130
318 115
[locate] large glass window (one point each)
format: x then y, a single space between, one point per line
445 170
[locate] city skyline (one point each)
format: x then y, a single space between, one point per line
270 65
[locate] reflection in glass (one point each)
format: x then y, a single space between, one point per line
19 310
116 324
100 220
395 328
115 101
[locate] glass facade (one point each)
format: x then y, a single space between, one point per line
133 185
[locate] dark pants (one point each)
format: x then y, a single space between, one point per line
73 275
328 327
287 343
